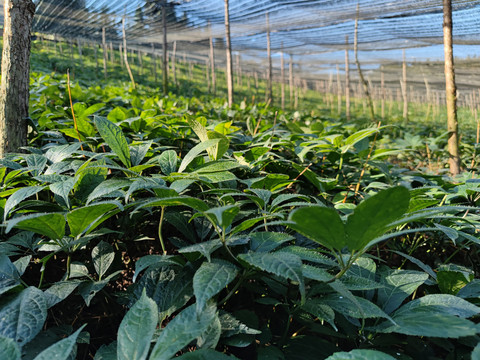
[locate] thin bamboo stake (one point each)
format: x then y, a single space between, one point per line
382 88
282 81
339 92
404 88
290 79
125 53
269 58
347 81
357 62
164 48
174 61
105 55
228 49
212 66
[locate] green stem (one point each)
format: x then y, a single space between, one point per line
69 260
162 213
234 289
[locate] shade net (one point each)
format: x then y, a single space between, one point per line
312 34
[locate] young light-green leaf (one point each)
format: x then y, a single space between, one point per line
113 136
361 354
320 224
168 162
195 151
136 330
372 217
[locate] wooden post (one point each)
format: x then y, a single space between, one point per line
165 57
404 88
120 51
140 61
347 81
212 66
269 57
104 46
80 53
450 90
125 53
282 80
14 86
229 56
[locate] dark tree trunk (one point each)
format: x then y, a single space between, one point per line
14 96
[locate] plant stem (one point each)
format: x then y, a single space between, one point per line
162 213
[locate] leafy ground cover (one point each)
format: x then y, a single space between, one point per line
154 227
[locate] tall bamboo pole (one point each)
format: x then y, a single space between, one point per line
404 88
282 75
290 79
212 66
125 53
165 58
229 56
104 47
450 89
360 73
347 81
269 56
174 61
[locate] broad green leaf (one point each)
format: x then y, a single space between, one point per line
18 196
476 352
107 352
9 275
288 266
311 255
61 152
195 151
320 310
210 338
450 282
9 350
223 215
107 187
62 349
471 290
266 241
429 323
168 162
138 152
89 289
102 257
198 128
22 318
210 279
205 354
397 286
315 273
51 225
136 330
361 354
346 307
60 291
205 248
372 217
217 166
217 151
63 189
82 219
185 327
113 136
192 202
320 224
440 303
216 177
152 260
